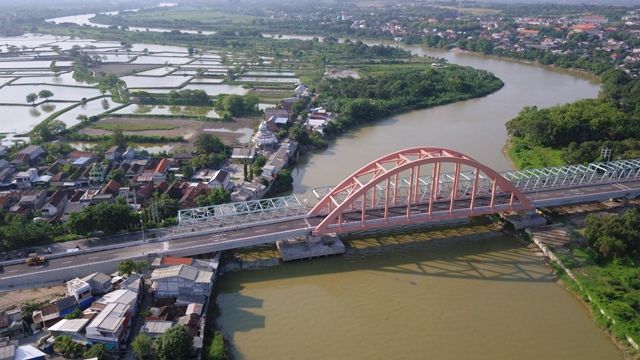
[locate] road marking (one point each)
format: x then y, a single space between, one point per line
94 258
12 271
67 262
261 230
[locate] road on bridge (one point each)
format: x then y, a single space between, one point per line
64 268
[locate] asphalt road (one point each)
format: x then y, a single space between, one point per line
84 264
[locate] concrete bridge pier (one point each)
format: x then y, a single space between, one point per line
524 219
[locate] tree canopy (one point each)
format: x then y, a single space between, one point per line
175 344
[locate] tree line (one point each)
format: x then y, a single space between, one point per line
583 127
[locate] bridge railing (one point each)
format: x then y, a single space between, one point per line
574 175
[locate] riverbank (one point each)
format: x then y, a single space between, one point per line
560 245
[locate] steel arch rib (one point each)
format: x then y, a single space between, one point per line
427 155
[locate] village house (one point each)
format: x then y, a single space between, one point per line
170 282
109 327
280 158
73 328
31 201
100 283
242 155
24 179
114 153
50 314
29 155
155 328
121 296
56 204
277 117
8 199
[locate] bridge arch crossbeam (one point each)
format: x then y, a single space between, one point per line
394 188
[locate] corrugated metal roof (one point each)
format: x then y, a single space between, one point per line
65 325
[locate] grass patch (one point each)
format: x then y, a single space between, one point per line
135 127
526 155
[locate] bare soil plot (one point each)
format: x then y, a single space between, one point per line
230 132
17 298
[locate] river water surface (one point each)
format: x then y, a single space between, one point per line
474 127
429 295
441 299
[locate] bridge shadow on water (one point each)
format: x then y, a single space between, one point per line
471 252
466 253
241 307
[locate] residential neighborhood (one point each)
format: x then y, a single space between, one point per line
110 310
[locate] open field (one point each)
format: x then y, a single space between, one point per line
231 132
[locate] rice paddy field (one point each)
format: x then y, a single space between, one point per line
33 62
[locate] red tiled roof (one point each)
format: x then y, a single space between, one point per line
112 187
171 261
162 166
57 197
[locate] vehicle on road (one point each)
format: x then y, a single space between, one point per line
35 259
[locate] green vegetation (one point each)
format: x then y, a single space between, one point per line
181 97
218 347
68 348
609 271
524 154
17 230
128 267
388 90
282 184
109 218
579 130
45 94
96 351
215 197
237 104
75 314
162 210
142 347
175 344
31 98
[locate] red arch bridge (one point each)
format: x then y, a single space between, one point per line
422 185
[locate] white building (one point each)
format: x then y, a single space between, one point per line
81 290
264 138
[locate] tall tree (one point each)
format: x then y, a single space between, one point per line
45 94
175 344
142 347
31 98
